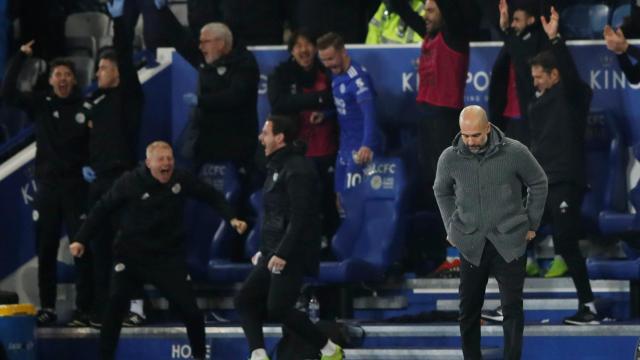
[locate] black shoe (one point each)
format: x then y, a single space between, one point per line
494 315
79 319
584 316
46 317
133 319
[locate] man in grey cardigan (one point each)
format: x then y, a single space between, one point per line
478 187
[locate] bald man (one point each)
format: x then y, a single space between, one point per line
478 188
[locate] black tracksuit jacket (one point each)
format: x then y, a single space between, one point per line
290 223
226 114
151 212
558 122
60 127
114 114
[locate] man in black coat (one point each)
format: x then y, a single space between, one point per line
289 246
61 138
225 102
113 114
558 117
523 39
150 246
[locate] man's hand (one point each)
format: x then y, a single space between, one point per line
239 225
615 40
363 156
530 235
256 257
317 117
190 99
115 8
551 27
503 8
27 48
76 249
276 264
88 174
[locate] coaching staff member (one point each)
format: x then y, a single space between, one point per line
290 243
149 247
478 187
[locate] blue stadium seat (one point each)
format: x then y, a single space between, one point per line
614 222
371 237
606 160
223 270
584 21
208 236
619 14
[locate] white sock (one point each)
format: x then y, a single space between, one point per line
558 257
136 307
259 354
329 349
591 307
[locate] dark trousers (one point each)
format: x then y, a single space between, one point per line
436 129
330 218
57 203
169 275
271 297
101 246
562 211
473 282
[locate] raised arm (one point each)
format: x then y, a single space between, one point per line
10 92
566 65
410 17
617 43
178 35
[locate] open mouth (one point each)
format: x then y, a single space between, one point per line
165 171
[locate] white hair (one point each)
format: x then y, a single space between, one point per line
221 31
157 145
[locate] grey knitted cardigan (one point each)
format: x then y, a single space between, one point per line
480 196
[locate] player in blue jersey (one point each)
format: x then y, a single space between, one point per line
354 95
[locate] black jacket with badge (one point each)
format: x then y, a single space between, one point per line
290 223
151 212
226 115
61 132
558 121
113 114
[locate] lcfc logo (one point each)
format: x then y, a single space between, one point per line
606 60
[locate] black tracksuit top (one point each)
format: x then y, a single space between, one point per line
290 223
60 127
151 213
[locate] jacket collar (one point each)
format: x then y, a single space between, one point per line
496 140
277 158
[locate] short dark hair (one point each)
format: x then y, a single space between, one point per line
286 125
300 33
330 39
62 62
528 9
546 60
109 54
